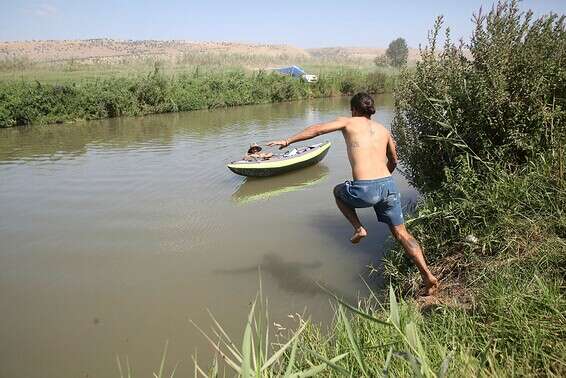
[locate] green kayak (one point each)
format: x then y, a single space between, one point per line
289 161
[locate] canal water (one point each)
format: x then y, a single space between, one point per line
115 233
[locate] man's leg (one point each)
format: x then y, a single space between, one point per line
350 214
414 251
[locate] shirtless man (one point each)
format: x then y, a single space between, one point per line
373 158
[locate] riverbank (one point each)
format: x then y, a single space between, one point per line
33 102
501 305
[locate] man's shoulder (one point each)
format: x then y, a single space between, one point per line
363 122
380 127
377 124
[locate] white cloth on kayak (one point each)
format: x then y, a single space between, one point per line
293 152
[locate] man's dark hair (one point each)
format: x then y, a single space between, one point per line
362 103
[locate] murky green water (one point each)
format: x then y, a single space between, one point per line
114 234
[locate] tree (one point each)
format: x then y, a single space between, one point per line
381 61
397 52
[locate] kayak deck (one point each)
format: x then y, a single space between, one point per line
289 161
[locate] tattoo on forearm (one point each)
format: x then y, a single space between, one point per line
354 144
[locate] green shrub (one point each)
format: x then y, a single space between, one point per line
24 103
499 99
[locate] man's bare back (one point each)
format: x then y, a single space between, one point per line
370 148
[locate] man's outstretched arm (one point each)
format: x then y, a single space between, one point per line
311 132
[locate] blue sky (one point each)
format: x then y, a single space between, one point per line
300 23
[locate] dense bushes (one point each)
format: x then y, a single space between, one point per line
483 137
501 99
23 103
481 132
473 219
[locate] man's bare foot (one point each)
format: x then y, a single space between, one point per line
431 286
359 234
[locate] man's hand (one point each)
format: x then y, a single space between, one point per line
281 143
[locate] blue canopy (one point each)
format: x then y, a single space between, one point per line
291 71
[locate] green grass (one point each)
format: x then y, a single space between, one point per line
307 352
38 93
515 327
76 70
59 74
35 102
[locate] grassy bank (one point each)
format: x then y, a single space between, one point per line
483 137
13 70
31 102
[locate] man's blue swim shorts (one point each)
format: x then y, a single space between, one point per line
381 194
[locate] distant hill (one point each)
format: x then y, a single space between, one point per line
109 51
360 53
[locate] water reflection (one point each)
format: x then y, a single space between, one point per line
254 189
291 276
